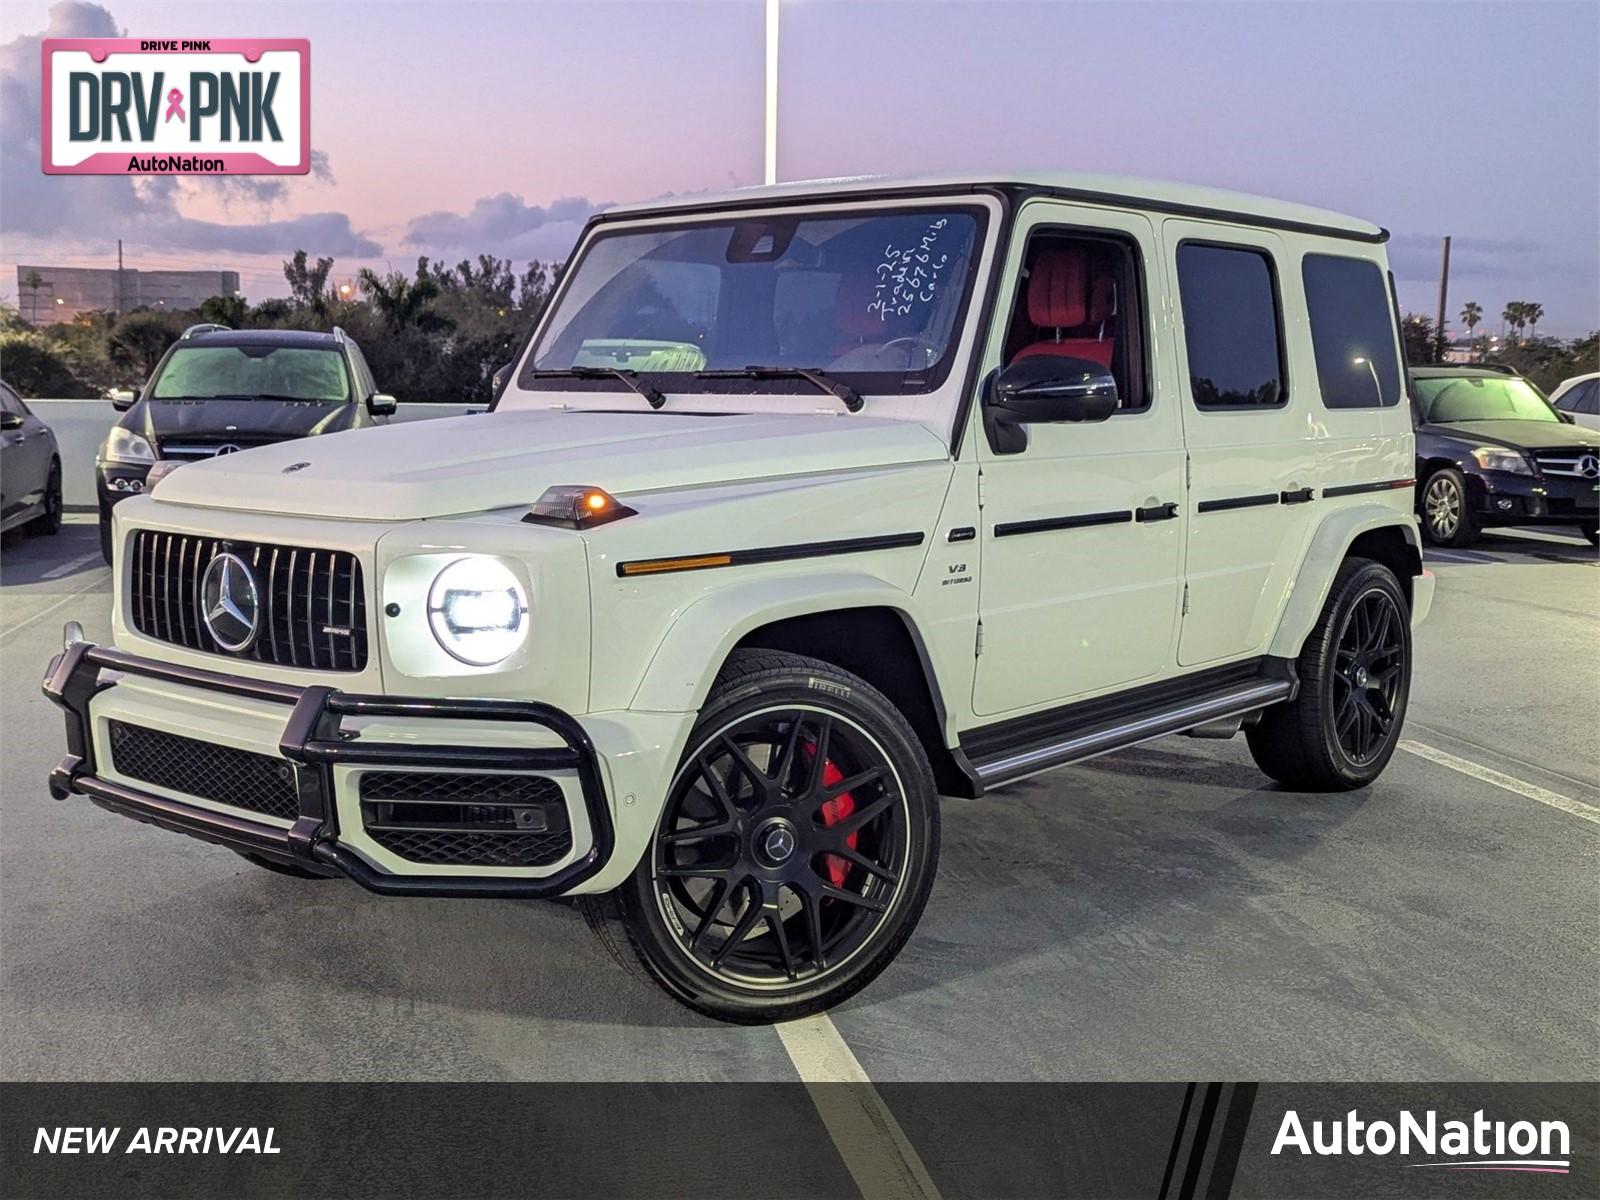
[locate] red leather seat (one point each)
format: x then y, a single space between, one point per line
1071 307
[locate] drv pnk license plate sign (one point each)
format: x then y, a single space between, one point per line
151 106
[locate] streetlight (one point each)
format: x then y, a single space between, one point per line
771 173
1359 361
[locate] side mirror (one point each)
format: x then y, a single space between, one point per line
502 376
1046 388
122 399
1566 417
380 404
10 420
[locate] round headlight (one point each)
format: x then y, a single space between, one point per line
478 611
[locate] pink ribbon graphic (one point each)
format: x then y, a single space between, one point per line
175 105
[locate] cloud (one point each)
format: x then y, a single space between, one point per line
506 225
56 209
1416 257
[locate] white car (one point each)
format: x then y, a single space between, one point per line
1579 399
802 507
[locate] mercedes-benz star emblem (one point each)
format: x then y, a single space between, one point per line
230 605
1589 466
779 844
227 448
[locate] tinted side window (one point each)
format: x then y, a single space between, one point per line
1352 332
10 401
1585 398
365 385
1231 327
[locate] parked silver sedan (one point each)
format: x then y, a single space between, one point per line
30 469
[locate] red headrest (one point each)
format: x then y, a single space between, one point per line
1058 288
851 315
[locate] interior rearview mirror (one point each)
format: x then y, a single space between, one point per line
1047 388
122 399
380 404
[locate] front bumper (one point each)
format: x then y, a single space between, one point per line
315 742
1501 498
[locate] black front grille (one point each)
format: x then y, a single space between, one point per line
480 820
241 778
313 610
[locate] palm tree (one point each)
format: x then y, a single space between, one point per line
1532 312
403 302
1512 315
1471 314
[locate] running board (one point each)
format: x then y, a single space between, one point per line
1099 731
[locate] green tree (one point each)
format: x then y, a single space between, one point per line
404 303
1471 314
1422 343
232 311
36 370
139 339
1532 313
1514 316
308 285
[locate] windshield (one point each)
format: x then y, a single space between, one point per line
247 372
874 298
1483 399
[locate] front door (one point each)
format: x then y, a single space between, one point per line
1082 528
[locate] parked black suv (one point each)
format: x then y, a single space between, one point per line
1492 451
218 390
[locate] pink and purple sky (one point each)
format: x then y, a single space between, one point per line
454 127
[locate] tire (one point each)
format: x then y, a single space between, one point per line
105 535
278 868
1340 730
1447 518
1590 530
48 522
739 908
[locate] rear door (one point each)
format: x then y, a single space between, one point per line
1249 432
24 458
1082 529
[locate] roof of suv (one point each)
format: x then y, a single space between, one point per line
1176 198
304 338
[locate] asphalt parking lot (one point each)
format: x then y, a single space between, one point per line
1162 913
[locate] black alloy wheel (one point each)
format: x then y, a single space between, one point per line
796 847
781 848
49 519
1369 667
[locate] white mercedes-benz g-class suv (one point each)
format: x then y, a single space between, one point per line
801 507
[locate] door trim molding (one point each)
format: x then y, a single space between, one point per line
1076 521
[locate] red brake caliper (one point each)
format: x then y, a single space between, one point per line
834 811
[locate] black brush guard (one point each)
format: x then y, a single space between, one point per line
314 740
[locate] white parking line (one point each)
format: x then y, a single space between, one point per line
94 581
67 568
869 1140
1577 808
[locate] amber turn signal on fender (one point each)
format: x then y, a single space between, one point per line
574 506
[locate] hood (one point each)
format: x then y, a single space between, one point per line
241 421
453 465
1517 435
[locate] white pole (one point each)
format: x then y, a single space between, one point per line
772 92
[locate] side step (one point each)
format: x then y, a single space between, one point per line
1014 750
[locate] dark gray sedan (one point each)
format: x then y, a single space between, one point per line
30 469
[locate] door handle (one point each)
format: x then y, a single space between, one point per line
1157 512
1298 496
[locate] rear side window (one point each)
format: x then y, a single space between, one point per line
1352 332
1582 399
1231 327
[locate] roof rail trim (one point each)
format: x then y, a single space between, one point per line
1019 191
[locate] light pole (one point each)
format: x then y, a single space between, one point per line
771 172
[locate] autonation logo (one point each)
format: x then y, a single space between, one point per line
1475 1145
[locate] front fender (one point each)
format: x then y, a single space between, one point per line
1329 547
686 662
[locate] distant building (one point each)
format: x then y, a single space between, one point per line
46 295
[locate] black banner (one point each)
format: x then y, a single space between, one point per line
1159 1141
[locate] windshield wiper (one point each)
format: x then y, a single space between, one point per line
845 393
631 378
